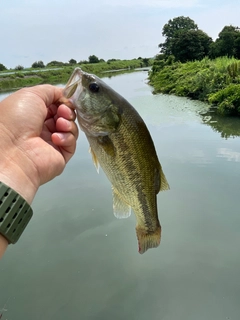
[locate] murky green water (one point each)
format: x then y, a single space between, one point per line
77 261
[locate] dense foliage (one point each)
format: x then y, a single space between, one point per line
187 43
19 67
93 59
174 29
214 81
38 64
227 43
2 67
191 45
55 63
72 61
184 68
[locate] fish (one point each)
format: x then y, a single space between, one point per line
121 145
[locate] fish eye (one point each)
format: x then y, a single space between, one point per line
94 87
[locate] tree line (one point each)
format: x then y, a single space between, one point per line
55 63
186 42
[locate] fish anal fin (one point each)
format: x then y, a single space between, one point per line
148 240
160 180
94 159
121 210
163 182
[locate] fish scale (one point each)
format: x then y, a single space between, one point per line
121 143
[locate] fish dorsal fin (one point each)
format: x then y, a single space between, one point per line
163 181
94 159
121 210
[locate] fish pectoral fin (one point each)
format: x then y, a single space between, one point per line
94 159
107 145
121 210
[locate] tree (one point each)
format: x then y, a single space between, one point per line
2 67
83 62
55 63
190 45
38 64
72 61
93 59
237 47
19 67
145 62
111 60
227 43
172 28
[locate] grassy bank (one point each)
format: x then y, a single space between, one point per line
30 77
214 81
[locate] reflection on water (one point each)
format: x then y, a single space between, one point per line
227 126
229 154
76 260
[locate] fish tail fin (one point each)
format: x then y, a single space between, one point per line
148 240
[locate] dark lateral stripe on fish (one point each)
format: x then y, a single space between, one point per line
130 168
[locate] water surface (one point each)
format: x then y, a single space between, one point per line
75 260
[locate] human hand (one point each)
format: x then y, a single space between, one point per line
37 138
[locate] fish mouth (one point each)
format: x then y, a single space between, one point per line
74 85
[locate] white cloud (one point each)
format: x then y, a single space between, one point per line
229 154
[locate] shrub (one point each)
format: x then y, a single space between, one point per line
227 99
55 63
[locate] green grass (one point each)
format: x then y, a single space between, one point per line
214 81
32 76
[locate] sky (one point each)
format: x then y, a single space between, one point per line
33 30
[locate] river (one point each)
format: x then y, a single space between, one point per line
75 260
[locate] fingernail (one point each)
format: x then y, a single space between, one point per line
61 135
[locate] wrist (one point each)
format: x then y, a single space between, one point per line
3 245
15 213
16 169
13 176
16 172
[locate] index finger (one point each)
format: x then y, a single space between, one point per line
48 93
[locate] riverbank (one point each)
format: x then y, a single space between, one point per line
28 77
214 81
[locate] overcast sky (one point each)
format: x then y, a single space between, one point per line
63 29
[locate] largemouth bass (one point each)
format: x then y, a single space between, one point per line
121 144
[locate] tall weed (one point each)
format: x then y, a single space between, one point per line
202 80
